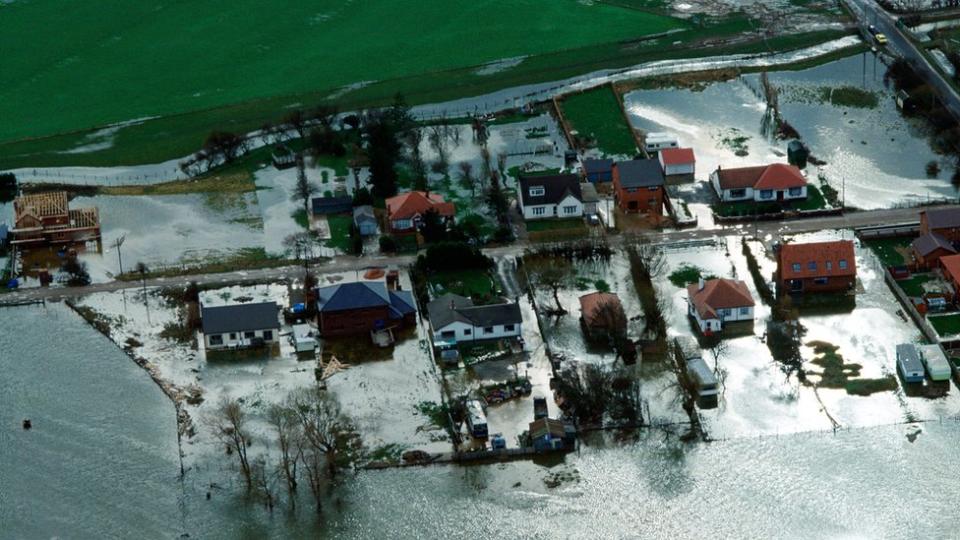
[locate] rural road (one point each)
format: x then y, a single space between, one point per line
347 263
900 43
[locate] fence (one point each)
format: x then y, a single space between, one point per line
888 231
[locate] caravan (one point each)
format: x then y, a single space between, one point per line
476 419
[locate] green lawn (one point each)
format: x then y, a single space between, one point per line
814 201
235 74
339 231
945 325
914 285
890 250
596 114
555 224
476 284
90 64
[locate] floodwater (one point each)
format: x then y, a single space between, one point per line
101 462
874 155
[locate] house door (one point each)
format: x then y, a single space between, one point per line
796 285
780 196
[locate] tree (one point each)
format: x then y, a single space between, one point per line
433 227
76 270
549 273
229 425
383 151
223 147
8 187
418 168
320 421
283 418
304 189
610 316
264 482
497 200
466 178
300 245
296 121
438 141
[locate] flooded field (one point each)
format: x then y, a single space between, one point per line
871 151
652 485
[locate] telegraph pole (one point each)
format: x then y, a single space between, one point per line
118 243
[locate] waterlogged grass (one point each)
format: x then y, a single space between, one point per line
850 96
300 216
339 231
242 259
945 325
475 284
541 225
596 115
814 201
236 182
891 251
835 373
687 274
914 285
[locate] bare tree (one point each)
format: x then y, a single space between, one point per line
438 141
550 273
289 433
300 245
296 121
264 482
466 178
502 164
486 168
304 189
229 425
320 420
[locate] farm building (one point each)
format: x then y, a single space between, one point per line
639 186
598 170
361 307
240 326
46 218
455 319
929 248
322 206
817 267
678 163
943 221
405 211
551 196
768 183
715 302
602 315
365 220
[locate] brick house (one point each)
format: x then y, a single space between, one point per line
929 248
950 268
638 186
816 267
353 309
942 221
405 211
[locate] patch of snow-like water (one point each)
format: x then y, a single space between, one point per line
500 65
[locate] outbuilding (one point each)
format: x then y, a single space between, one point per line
598 170
678 163
365 220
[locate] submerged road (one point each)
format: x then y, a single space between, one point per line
348 263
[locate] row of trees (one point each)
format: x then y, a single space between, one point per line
310 435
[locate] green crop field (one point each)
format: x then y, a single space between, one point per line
596 114
70 66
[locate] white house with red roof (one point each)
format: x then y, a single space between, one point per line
715 302
678 161
405 211
777 182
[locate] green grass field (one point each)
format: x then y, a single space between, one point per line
114 61
596 114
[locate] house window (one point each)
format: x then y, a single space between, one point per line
744 311
448 334
766 194
796 267
829 265
537 191
843 264
570 209
249 335
488 330
812 266
631 190
268 335
233 336
820 281
539 211
216 339
653 188
738 193
795 191
509 328
651 202
467 331
725 312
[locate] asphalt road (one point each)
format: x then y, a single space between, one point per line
899 43
347 263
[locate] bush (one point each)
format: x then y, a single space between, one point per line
362 197
503 235
453 256
388 244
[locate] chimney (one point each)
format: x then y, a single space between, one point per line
700 284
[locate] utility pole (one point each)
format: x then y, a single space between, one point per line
118 243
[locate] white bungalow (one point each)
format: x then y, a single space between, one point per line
240 326
778 182
454 319
714 302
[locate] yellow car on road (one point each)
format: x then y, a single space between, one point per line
881 39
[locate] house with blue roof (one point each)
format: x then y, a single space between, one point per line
361 307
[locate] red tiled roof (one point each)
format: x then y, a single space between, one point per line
775 176
590 303
951 265
717 294
408 205
677 156
819 253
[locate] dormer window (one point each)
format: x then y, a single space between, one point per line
537 191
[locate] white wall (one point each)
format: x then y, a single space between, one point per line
717 324
476 333
671 170
551 211
239 340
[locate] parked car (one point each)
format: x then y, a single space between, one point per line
540 408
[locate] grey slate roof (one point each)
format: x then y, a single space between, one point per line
929 243
239 318
593 166
944 218
589 193
640 173
364 294
451 308
556 187
331 205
